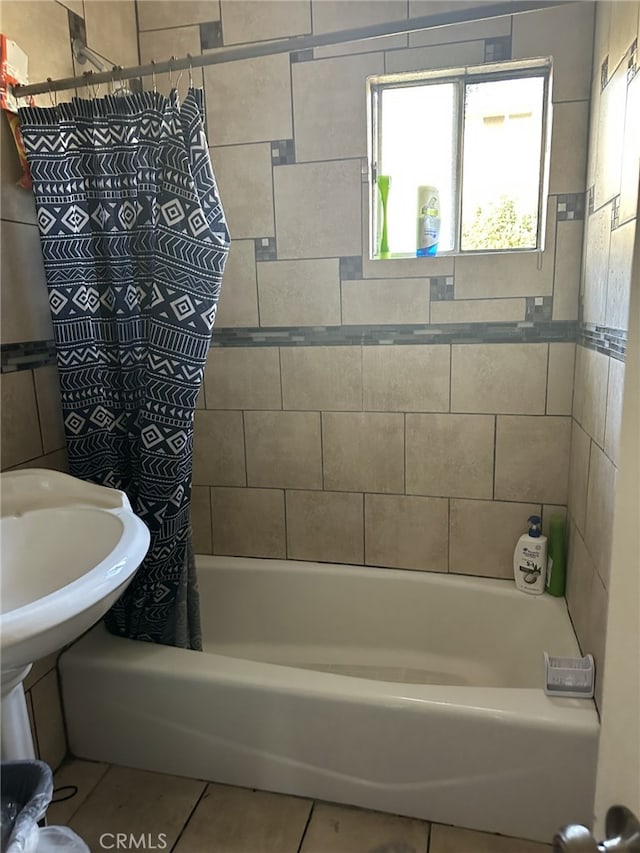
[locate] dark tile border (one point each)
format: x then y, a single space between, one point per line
603 339
28 355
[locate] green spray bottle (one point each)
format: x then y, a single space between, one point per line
556 569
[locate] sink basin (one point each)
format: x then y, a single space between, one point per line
68 550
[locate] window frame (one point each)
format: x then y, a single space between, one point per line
461 76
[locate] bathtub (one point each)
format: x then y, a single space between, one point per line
415 693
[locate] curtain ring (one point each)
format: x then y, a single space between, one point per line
153 76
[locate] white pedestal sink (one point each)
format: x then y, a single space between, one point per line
68 550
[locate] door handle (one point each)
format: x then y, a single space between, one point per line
622 829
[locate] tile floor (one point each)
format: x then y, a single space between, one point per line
189 816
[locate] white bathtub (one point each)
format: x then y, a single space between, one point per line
409 692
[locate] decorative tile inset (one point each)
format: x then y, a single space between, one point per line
632 65
570 206
283 152
210 35
351 268
266 249
442 288
615 212
591 199
497 49
77 28
611 342
539 308
27 356
302 55
604 73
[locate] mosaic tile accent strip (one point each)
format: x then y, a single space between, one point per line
611 342
301 55
442 288
27 355
351 268
591 193
497 49
211 35
266 249
632 65
615 212
538 308
570 206
604 73
459 333
283 152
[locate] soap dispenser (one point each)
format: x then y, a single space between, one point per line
530 559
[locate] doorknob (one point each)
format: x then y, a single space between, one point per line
623 835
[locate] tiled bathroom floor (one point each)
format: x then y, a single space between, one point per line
189 816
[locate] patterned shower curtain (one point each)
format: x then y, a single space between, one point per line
134 242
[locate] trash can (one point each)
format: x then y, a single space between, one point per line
27 789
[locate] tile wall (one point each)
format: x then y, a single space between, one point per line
610 232
32 433
404 413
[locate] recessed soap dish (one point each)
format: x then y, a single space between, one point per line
569 676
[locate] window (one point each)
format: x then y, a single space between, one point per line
465 152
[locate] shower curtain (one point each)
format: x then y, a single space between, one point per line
134 242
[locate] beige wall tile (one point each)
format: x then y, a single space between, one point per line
299 293
406 378
201 519
489 28
566 281
510 274
373 45
331 226
46 43
594 285
341 829
218 449
336 88
479 311
544 33
158 14
16 203
623 29
451 839
590 392
630 153
39 669
436 56
159 45
248 522
243 378
113 36
420 268
243 173
261 20
619 278
47 712
20 428
332 15
610 130
614 409
56 461
249 100
237 819
599 519
567 172
325 526
500 378
83 775
579 475
363 452
483 536
560 380
580 573
406 532
76 6
378 301
238 304
597 631
601 35
283 449
128 799
47 385
532 459
321 378
450 455
24 314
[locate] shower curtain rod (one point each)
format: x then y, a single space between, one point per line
296 43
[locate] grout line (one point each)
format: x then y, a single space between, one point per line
306 827
191 813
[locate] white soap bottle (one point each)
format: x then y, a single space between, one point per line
530 559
